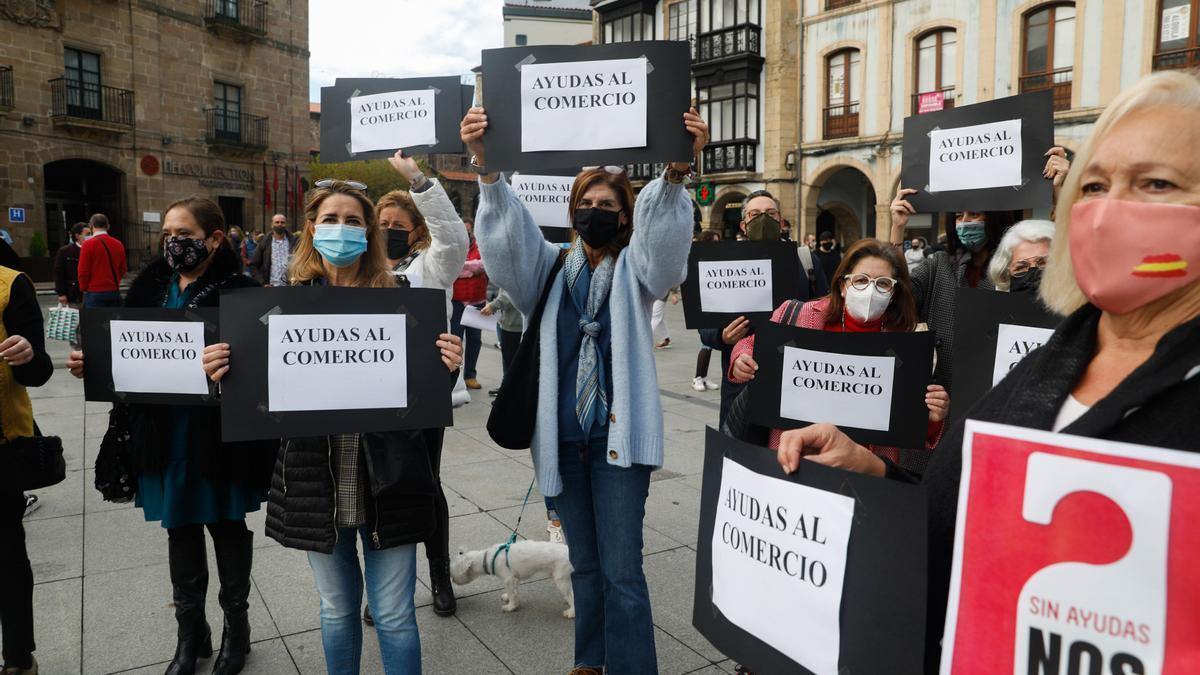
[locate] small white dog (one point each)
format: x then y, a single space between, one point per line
523 560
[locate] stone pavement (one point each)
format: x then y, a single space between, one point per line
103 598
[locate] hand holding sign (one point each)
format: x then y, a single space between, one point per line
473 126
1057 166
699 131
451 347
901 210
938 401
736 330
826 444
216 361
743 369
405 166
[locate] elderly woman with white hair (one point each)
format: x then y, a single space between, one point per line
1124 269
1020 258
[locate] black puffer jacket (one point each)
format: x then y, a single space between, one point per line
246 463
400 490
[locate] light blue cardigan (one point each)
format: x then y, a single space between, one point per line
518 259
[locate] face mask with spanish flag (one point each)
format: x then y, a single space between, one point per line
1128 254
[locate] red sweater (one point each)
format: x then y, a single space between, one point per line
471 287
101 264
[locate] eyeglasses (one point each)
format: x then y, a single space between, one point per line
860 282
1021 267
353 184
614 170
774 213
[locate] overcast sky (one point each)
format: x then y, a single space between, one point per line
398 38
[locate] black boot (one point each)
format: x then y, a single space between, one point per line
234 554
189 579
444 603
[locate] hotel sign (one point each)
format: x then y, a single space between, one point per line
227 177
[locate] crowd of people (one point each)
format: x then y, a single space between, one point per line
1122 365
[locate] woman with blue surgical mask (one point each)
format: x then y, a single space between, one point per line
329 492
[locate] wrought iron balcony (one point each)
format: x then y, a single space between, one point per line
730 156
1057 80
238 130
645 172
87 104
740 40
930 99
246 17
6 88
1177 59
841 121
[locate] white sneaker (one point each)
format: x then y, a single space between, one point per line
710 386
32 503
555 532
698 384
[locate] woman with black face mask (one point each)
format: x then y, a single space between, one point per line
599 429
1018 262
187 478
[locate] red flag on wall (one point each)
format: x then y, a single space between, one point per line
287 193
266 189
275 186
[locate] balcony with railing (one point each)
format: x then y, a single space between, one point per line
246 19
838 4
644 172
1177 59
730 156
841 121
6 89
75 103
1059 81
741 40
236 130
932 101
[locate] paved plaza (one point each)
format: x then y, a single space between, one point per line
103 596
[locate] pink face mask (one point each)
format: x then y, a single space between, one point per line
1129 254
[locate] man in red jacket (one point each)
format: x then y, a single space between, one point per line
101 266
470 289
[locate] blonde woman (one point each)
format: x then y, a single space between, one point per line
328 506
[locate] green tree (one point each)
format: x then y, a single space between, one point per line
377 174
37 246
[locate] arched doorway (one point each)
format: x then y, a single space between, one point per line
850 197
726 214
77 188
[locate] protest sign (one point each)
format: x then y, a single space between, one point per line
728 279
147 355
992 333
473 318
371 118
983 157
586 105
1073 555
871 385
787 566
547 197
365 358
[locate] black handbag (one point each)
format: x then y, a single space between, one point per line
115 480
37 461
514 411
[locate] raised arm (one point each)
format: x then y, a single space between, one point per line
448 248
517 257
662 236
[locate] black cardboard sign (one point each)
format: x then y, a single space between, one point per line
979 318
716 268
452 98
96 336
668 87
882 628
847 376
968 157
245 315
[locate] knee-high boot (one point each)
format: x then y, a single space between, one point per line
234 554
189 581
437 547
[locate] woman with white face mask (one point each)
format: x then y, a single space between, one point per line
871 293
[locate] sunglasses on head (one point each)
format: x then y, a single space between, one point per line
614 170
353 184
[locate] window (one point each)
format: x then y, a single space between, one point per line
1049 52
842 72
936 65
1177 45
731 110
522 40
629 28
718 14
227 9
228 110
681 20
82 74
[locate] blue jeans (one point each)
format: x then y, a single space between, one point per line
105 299
391 577
602 508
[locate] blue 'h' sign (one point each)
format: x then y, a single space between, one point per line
16 215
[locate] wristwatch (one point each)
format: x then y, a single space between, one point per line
418 183
477 167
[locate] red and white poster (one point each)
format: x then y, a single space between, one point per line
1073 556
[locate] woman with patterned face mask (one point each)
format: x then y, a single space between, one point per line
187 478
1125 269
871 293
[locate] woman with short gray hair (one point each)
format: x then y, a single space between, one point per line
1018 262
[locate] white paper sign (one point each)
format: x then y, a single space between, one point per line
1014 343
735 285
1176 23
336 362
779 562
975 157
158 357
583 105
473 318
546 198
398 119
841 389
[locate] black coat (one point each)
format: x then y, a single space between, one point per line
399 494
1155 405
66 273
245 463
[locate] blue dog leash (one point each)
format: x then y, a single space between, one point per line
512 538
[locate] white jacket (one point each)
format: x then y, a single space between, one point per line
438 266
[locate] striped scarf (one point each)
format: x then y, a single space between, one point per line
591 401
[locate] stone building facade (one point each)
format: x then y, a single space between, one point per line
123 106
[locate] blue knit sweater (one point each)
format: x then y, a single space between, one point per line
518 259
